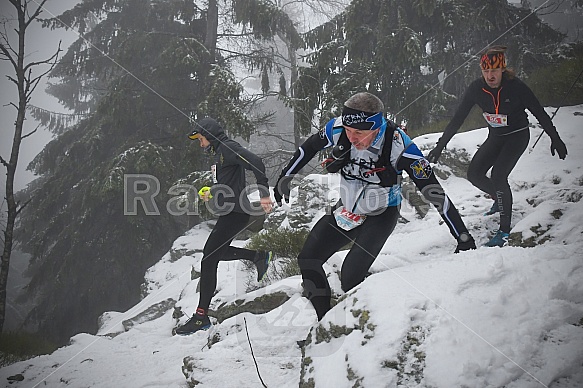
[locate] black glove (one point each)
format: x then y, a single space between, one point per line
465 242
558 145
282 189
435 153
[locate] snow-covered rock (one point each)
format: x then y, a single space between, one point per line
426 317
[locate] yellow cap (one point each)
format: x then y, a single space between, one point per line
195 135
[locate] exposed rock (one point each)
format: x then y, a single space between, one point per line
260 305
153 312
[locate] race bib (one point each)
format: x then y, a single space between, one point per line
496 120
348 220
214 173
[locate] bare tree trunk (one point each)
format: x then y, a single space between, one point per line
292 52
25 83
212 24
293 63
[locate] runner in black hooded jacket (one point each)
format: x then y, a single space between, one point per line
227 198
504 99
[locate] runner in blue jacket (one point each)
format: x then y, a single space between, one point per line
504 99
370 153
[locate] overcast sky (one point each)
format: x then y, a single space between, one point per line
41 43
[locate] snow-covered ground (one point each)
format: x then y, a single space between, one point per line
493 317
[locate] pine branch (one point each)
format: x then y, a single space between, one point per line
21 208
55 121
225 35
550 9
36 13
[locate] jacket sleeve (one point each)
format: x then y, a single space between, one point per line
459 116
534 106
252 162
421 173
305 153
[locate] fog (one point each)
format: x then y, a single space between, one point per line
41 43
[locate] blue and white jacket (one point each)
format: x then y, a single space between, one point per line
360 189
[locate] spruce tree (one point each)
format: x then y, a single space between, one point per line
140 73
401 50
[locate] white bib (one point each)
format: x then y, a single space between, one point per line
348 220
496 120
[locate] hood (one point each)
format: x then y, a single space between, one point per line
213 131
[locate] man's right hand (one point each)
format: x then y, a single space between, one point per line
282 189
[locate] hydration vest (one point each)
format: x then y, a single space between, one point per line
382 167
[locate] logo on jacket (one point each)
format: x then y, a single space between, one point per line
421 169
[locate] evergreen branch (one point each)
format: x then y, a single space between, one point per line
253 99
225 35
317 7
251 55
34 16
38 110
21 208
238 54
55 121
550 8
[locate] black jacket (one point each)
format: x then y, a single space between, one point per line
514 98
230 161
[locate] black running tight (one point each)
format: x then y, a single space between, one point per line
326 238
218 248
501 153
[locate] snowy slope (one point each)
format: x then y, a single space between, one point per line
426 317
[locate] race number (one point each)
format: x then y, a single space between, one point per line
348 220
496 120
